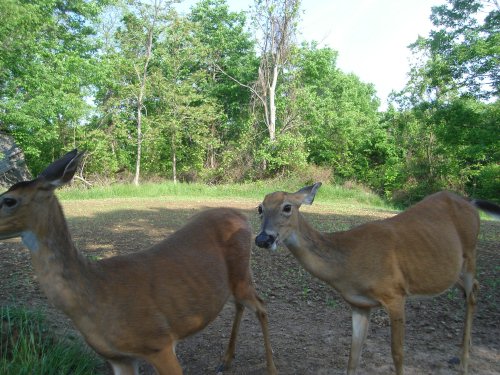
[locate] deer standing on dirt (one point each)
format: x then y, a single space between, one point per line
136 306
420 252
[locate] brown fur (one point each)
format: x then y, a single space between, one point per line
422 251
138 305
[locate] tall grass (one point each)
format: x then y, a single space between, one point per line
27 347
256 191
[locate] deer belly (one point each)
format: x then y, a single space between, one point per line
196 314
434 281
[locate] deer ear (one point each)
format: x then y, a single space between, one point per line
62 170
308 193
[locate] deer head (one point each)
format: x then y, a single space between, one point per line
279 215
17 204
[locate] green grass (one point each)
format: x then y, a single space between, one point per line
27 347
256 191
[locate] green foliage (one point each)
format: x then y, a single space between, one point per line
450 146
448 134
461 53
487 182
468 44
467 131
229 56
74 74
27 347
286 153
338 114
46 71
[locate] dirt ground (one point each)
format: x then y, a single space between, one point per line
310 324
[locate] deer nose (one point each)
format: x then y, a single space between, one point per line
264 240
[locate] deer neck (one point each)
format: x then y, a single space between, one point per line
316 251
60 269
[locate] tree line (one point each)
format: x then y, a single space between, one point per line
219 96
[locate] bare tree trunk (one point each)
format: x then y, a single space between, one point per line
142 76
272 105
211 149
174 161
139 139
276 21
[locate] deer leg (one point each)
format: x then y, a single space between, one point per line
165 361
228 357
396 310
253 302
360 320
262 316
124 367
470 286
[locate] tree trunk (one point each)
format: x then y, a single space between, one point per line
174 161
142 88
272 104
211 149
139 141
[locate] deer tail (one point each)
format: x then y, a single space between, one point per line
490 208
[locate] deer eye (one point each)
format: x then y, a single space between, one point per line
287 208
259 209
9 202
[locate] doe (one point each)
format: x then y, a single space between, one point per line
136 306
422 251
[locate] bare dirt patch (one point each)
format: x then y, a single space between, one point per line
309 323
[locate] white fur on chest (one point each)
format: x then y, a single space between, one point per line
30 240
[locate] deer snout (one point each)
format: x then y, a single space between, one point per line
265 240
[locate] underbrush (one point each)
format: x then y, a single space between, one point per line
27 347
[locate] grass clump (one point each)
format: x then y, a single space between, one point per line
27 347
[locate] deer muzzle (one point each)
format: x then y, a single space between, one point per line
265 241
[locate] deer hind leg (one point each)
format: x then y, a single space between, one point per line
396 310
248 297
360 321
470 286
165 361
228 357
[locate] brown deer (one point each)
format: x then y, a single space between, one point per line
136 306
422 251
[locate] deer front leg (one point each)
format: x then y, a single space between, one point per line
396 310
262 316
165 361
360 320
124 367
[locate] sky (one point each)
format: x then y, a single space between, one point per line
371 36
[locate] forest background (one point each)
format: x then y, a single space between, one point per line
217 96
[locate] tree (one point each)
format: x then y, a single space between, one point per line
449 109
468 131
276 24
414 170
143 24
461 53
182 111
229 60
47 69
336 112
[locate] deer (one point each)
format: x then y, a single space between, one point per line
137 306
422 251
